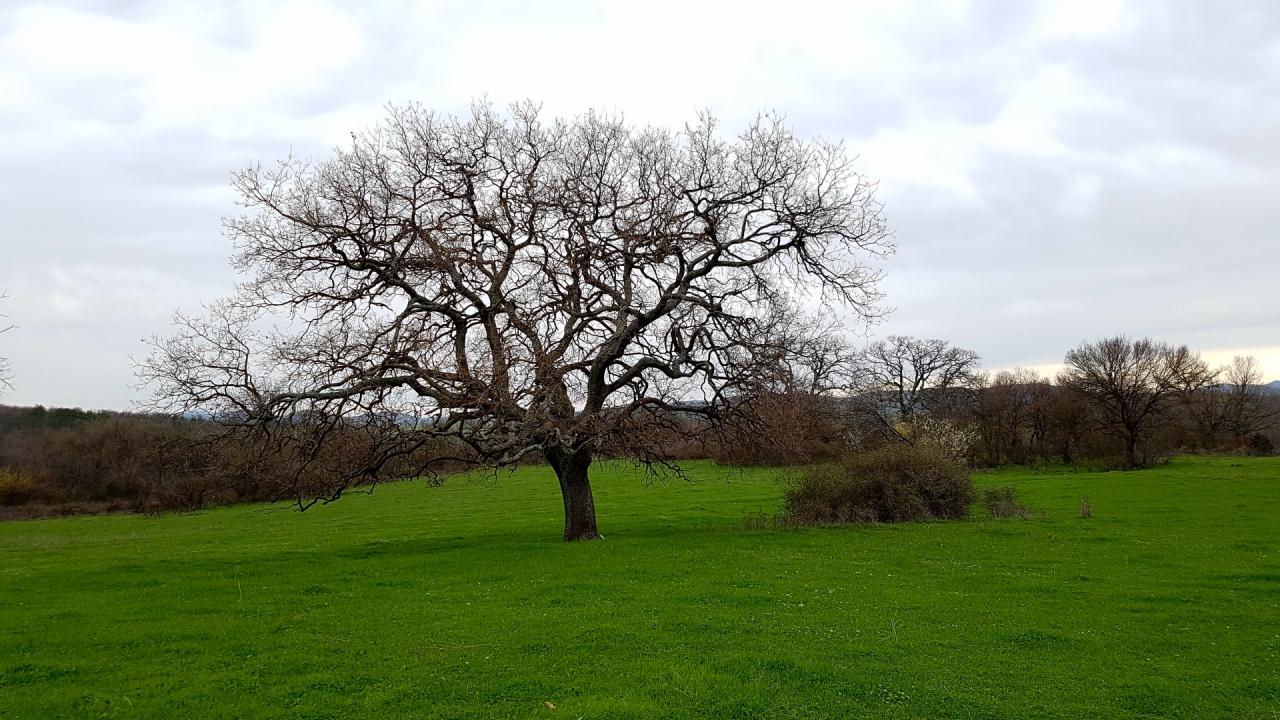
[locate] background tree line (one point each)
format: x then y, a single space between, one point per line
1117 403
1124 403
64 461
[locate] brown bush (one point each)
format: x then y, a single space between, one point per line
1002 502
895 483
122 461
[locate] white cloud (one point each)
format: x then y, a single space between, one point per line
1082 17
937 155
172 69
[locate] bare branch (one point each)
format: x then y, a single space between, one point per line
6 372
523 286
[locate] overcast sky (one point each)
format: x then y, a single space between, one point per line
1052 172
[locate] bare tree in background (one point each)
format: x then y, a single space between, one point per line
1132 386
792 415
6 373
902 376
1245 407
1067 422
522 286
1232 408
1011 413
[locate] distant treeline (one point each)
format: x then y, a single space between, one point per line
1118 404
1020 418
59 461
63 461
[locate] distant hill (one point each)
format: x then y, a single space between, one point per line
1271 388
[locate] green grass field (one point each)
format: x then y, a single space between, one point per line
460 601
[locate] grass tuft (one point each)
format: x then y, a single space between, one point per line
1086 508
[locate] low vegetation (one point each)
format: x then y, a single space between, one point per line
64 461
894 483
459 601
1002 502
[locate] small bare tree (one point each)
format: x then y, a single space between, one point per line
1067 420
1132 386
1245 410
521 287
902 376
6 373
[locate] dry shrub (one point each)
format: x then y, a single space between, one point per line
1086 508
758 521
894 483
1002 502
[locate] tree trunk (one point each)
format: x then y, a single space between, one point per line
575 488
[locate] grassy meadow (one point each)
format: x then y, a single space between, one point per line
461 602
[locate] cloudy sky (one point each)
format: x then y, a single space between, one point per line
1052 172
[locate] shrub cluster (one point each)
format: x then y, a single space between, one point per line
894 483
94 462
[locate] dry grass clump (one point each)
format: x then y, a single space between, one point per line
1086 508
895 483
1002 502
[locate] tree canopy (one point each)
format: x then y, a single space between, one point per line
526 286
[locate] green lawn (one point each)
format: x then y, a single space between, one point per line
460 601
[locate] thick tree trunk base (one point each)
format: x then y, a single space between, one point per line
575 488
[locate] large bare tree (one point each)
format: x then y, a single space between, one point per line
1132 385
523 286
